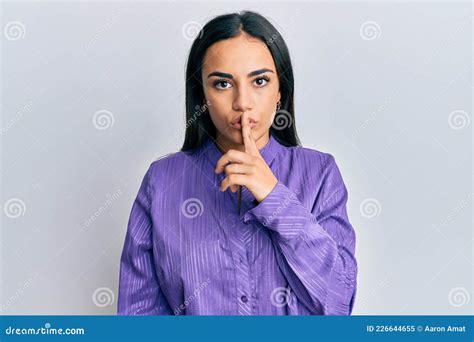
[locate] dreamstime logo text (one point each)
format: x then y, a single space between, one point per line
102 30
19 291
199 110
192 297
46 330
381 108
458 208
273 38
108 202
26 108
280 208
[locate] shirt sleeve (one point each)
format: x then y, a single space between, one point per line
139 290
315 247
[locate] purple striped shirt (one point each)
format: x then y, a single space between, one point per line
187 251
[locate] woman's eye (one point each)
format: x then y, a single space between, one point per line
222 84
262 81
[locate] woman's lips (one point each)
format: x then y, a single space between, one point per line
237 125
237 122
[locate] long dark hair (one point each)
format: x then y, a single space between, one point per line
199 125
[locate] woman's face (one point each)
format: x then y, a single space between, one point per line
239 75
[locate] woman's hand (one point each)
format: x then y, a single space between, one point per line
248 168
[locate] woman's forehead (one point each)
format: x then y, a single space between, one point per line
239 54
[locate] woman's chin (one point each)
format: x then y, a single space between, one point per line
235 136
237 139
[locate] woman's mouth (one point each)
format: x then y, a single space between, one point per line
238 125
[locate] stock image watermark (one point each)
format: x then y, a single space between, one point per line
47 329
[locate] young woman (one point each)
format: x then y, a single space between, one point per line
242 220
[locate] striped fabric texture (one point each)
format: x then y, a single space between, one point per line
188 251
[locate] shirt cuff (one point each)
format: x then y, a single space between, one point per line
282 212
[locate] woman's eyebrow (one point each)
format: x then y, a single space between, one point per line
259 71
230 76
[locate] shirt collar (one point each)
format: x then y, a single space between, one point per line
268 151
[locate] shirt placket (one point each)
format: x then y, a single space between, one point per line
242 269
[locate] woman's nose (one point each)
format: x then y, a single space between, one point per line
243 100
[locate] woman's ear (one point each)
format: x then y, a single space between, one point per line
279 96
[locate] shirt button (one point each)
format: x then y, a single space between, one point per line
241 259
244 299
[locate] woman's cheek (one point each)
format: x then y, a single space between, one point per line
268 112
223 109
218 118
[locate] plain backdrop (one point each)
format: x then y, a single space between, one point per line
93 92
